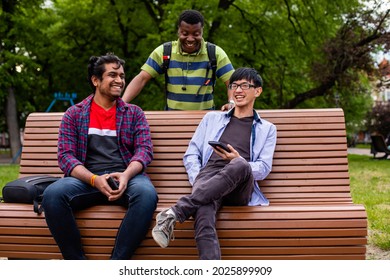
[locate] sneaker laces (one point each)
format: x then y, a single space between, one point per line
167 226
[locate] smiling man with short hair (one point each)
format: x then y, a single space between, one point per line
189 77
219 177
99 138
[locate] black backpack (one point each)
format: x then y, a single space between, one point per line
211 65
28 190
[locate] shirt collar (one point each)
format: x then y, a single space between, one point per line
256 115
87 102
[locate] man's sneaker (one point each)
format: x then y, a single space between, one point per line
163 230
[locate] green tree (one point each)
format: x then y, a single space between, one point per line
311 53
18 71
378 120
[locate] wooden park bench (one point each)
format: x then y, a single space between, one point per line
311 213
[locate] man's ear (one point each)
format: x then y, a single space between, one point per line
94 80
178 30
259 90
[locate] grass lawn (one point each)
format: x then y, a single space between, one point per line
363 146
8 172
370 186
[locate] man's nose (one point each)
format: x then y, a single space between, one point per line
118 79
239 88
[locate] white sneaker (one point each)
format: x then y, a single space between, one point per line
163 230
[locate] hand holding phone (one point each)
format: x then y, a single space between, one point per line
112 183
219 144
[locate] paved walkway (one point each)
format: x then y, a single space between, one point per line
5 159
358 151
365 152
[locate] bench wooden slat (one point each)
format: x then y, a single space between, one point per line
275 169
39 255
226 213
18 243
44 233
258 257
228 250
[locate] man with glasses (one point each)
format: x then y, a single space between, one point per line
223 177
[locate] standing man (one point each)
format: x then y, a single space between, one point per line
223 177
189 84
99 138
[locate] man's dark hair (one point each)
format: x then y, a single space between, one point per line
191 17
96 66
248 74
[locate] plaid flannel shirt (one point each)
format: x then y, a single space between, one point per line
132 129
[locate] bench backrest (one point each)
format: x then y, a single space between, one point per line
310 162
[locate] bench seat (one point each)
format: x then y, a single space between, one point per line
311 213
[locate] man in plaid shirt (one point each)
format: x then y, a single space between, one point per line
102 138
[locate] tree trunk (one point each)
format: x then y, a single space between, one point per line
13 124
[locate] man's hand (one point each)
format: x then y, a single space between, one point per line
228 106
102 185
225 154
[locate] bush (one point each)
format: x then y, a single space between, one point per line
379 119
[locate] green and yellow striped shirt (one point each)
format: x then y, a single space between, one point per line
188 88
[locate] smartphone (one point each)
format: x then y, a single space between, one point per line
112 183
219 144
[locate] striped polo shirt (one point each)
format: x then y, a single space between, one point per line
188 88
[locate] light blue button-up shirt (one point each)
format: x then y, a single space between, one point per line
262 143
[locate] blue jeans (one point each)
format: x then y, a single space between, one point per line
213 188
69 194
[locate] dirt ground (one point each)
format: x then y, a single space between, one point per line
374 253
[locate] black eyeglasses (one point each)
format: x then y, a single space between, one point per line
243 86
